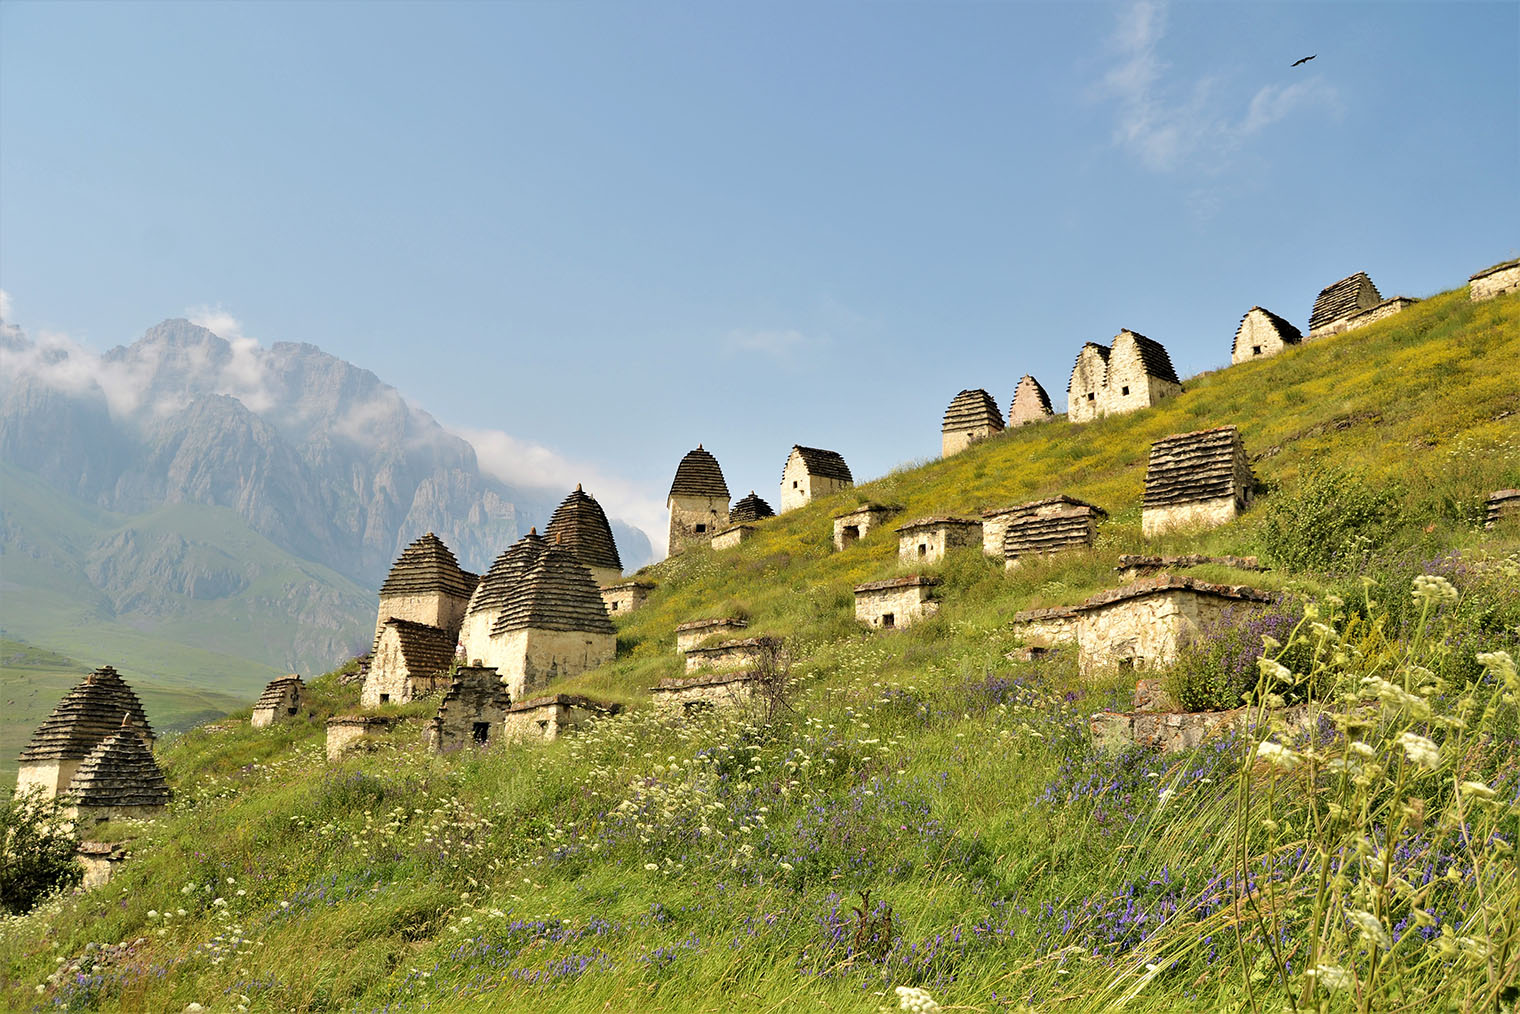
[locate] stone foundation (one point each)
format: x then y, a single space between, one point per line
546 718
1494 281
733 538
1503 507
694 520
722 690
927 540
729 655
1387 308
529 659
1046 628
898 602
1133 567
101 861
1188 517
694 632
626 597
350 732
852 526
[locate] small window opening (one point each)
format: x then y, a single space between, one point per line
923 550
794 483
291 711
851 533
480 732
701 528
385 698
1255 350
615 606
1125 390
1091 396
1038 653
1126 665
888 620
543 725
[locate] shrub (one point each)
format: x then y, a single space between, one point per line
1334 521
1218 665
36 851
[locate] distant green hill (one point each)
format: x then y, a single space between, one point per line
718 861
185 600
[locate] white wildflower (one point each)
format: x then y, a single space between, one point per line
1164 796
1274 670
1370 927
912 998
1276 754
1420 750
1432 589
1332 976
1477 789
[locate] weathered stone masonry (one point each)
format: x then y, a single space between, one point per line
89 713
973 416
926 540
853 525
1196 480
1039 528
1262 334
471 712
896 602
812 472
280 700
698 501
580 525
1494 281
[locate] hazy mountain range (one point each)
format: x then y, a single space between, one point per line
206 512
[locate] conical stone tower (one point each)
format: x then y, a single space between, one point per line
119 779
496 586
553 624
88 714
426 585
972 416
580 525
698 501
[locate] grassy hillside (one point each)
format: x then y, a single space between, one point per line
186 598
716 862
33 680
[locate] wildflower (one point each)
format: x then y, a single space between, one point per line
651 866
1477 789
1420 750
1274 670
1163 797
1332 977
1370 927
1276 754
1432 590
911 998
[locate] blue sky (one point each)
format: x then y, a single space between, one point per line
591 235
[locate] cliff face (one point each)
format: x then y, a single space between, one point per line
318 455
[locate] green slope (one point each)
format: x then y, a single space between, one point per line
185 599
711 862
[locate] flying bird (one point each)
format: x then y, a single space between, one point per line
1304 60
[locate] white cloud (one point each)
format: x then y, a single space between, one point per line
1169 124
780 344
5 305
243 375
215 319
523 463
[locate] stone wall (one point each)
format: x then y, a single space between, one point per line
470 713
51 776
529 659
1494 281
1387 308
955 441
101 861
626 597
348 732
1043 527
1143 632
604 576
1185 517
734 537
390 681
799 486
436 609
1502 506
725 690
267 712
921 543
729 655
1133 567
1127 386
852 526
694 632
694 520
889 605
1173 732
1086 383
1046 628
1256 338
546 718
